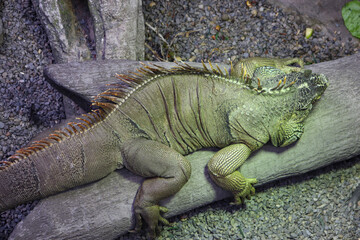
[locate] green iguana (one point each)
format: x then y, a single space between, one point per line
152 118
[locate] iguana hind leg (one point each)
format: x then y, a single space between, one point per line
223 170
166 171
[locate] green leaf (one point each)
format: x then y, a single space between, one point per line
351 16
309 32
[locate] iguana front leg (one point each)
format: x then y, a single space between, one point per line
246 67
223 170
166 171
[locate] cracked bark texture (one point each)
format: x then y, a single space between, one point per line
80 30
119 25
104 209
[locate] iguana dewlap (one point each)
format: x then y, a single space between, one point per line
151 119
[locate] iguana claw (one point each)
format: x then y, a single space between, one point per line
151 215
247 192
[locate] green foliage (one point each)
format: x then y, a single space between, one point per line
351 16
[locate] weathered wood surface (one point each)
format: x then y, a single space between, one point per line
114 32
104 209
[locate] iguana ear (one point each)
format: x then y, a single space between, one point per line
287 133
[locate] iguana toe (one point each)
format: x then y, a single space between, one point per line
151 216
246 193
162 219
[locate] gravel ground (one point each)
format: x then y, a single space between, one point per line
28 104
313 206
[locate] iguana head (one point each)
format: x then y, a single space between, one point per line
306 89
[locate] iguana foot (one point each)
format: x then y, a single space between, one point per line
246 67
151 214
286 64
247 192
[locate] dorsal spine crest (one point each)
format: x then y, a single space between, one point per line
115 96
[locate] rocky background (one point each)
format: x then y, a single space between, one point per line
28 104
219 31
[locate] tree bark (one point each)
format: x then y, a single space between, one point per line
81 30
104 209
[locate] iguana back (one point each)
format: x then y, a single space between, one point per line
184 110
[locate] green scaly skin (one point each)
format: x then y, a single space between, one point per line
248 66
153 120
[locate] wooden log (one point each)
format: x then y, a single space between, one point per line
104 209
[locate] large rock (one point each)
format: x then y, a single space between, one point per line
103 210
81 30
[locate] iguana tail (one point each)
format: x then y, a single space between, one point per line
79 154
